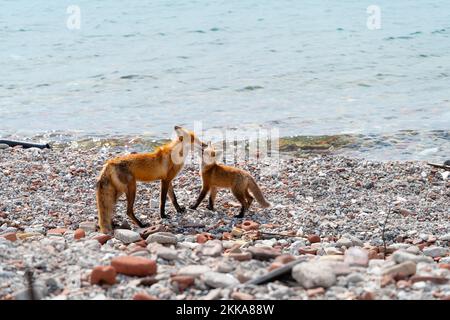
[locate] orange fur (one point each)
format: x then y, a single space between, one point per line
241 183
119 176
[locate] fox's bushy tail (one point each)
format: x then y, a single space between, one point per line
106 199
256 191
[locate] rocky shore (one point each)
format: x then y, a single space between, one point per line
338 228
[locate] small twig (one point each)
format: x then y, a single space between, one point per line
217 225
383 231
30 282
279 234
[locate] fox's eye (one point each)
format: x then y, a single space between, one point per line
180 138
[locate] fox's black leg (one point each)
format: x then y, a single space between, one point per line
240 195
241 213
131 195
200 198
163 196
210 204
173 198
212 197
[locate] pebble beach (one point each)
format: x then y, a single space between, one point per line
339 228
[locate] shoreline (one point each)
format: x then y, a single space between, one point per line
322 206
403 145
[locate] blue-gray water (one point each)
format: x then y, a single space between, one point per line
307 67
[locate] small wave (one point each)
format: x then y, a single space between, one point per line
130 76
250 88
399 38
136 76
439 31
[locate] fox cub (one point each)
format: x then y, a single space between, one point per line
215 176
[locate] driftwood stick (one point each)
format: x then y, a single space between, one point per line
275 274
25 145
440 166
278 234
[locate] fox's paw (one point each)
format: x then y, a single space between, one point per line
107 231
193 207
144 225
181 209
115 225
210 208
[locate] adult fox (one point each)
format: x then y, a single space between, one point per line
119 176
215 176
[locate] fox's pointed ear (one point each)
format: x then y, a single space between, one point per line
180 132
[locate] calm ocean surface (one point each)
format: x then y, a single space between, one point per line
306 67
